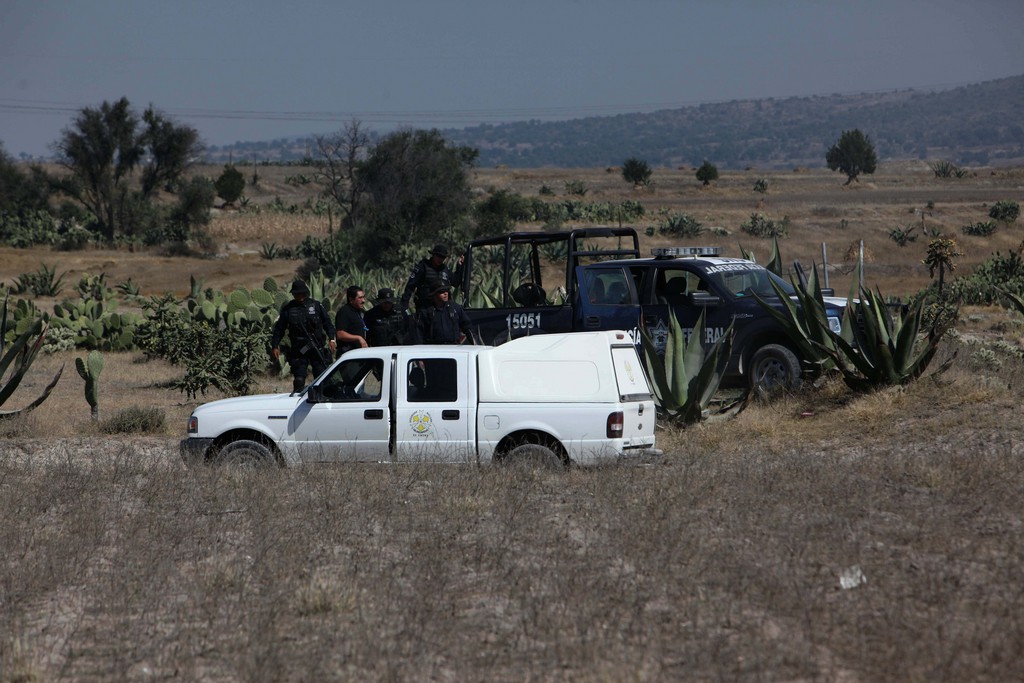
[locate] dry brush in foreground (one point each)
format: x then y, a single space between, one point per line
820 537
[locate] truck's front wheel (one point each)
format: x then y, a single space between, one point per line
247 453
774 367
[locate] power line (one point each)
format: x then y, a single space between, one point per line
47 108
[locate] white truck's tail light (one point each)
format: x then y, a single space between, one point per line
614 425
193 425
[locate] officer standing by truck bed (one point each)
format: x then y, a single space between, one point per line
441 322
309 328
429 274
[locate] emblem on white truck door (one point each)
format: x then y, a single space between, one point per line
420 423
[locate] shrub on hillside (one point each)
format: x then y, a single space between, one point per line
760 225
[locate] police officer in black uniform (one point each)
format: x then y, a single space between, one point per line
428 275
443 322
309 328
349 323
388 324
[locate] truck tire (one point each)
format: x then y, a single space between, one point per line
774 367
534 451
246 453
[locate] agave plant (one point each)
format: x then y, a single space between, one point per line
807 322
688 377
19 358
1015 299
774 264
886 348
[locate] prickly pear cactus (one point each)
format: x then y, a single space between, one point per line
90 370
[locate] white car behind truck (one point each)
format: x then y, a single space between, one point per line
568 398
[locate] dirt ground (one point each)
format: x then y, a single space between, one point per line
822 536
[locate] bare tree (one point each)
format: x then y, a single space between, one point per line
339 156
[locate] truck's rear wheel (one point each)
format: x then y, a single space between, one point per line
535 451
774 367
246 453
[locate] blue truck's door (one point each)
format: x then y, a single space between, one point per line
607 300
671 289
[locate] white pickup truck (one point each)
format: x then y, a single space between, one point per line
566 398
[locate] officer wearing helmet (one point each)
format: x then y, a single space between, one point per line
387 324
309 329
428 275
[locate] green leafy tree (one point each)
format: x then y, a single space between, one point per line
499 212
230 184
105 146
415 188
171 149
20 193
101 149
707 173
852 154
636 171
192 211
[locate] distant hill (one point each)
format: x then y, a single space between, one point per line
979 124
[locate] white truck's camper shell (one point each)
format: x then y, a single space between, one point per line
562 368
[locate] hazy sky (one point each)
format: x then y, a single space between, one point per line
259 70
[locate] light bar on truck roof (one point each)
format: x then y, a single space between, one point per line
676 252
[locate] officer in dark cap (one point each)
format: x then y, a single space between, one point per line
428 275
388 324
309 329
442 322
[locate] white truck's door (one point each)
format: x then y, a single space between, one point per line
434 407
351 421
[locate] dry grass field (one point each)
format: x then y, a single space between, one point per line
823 536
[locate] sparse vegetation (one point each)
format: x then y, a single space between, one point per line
820 497
43 282
979 228
576 188
681 225
947 169
760 225
903 235
135 420
636 171
1004 211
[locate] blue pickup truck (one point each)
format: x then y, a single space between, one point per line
526 283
